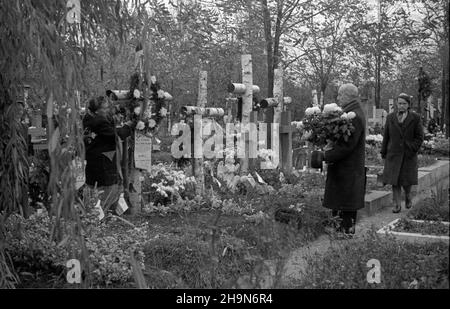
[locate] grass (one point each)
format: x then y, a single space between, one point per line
425 228
435 208
403 265
199 251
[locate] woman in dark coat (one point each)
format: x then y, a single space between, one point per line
345 184
403 136
101 141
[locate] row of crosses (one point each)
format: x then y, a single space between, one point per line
245 92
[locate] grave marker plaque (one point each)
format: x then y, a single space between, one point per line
143 151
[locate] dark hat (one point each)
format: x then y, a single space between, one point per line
405 97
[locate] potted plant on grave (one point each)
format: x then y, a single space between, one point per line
326 127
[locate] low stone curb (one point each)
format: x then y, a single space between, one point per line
431 178
412 237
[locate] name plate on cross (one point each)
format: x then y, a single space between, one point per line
143 151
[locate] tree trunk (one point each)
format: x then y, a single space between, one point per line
269 113
446 81
276 43
323 87
198 144
378 81
419 105
269 48
445 93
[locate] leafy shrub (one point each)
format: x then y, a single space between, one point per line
271 177
441 147
373 156
425 160
376 130
312 217
438 145
430 209
28 242
403 265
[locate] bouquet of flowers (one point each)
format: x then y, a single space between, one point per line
328 126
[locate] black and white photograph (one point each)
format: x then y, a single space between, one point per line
224 151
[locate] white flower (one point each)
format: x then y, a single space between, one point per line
351 115
332 107
151 123
140 125
344 116
312 110
136 93
297 124
316 110
137 110
306 135
163 112
329 107
161 94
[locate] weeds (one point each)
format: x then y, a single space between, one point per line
403 265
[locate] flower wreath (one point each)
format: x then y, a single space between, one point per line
156 103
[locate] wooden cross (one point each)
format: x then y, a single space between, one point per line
246 91
197 130
391 106
283 118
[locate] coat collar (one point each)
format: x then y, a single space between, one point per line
408 120
351 106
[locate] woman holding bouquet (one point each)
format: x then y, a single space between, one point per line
345 184
403 136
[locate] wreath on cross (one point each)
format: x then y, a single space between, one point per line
131 104
155 110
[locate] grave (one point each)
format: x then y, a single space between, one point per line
379 117
391 106
283 117
246 90
37 132
200 110
430 109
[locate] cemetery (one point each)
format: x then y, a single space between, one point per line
223 174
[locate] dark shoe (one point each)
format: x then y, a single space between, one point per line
397 209
408 203
350 231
